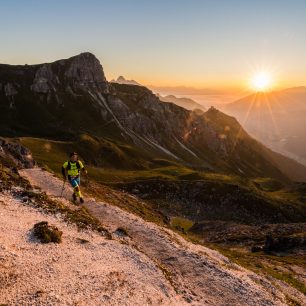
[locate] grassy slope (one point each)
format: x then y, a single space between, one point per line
51 154
114 162
272 194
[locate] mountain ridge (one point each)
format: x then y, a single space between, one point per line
183 102
37 100
121 80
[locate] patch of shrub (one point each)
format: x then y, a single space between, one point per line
47 233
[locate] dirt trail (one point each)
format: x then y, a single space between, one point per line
198 274
85 269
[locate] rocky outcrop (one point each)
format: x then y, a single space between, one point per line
45 80
284 243
85 70
21 155
81 72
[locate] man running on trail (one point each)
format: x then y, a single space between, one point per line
72 168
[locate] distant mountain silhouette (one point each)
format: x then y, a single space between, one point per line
276 118
183 102
122 80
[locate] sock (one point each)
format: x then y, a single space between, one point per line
78 193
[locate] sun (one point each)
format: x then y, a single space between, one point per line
261 81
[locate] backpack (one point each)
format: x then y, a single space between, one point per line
77 164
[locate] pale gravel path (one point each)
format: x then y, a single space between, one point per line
100 272
200 275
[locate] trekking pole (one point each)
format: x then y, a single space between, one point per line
63 188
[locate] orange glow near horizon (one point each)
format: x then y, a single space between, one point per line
261 81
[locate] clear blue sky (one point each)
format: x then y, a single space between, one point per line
163 42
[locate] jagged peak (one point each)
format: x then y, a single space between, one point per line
212 109
80 71
87 55
121 78
85 67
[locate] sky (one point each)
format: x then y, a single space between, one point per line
218 44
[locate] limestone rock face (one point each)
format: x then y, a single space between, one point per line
21 155
44 79
86 70
82 71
